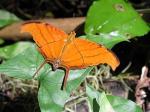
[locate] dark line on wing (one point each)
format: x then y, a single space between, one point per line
50 43
32 21
45 40
86 50
49 32
93 55
84 57
41 33
91 44
83 63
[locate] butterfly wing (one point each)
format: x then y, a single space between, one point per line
74 53
81 53
48 38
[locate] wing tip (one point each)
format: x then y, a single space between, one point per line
25 25
116 61
115 66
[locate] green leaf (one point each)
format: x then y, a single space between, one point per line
123 105
51 97
93 96
10 51
76 77
109 103
104 39
111 21
21 66
104 104
7 18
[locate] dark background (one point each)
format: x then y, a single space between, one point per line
34 9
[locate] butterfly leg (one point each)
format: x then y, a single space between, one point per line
65 79
45 61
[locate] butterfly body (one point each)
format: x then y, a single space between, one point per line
66 51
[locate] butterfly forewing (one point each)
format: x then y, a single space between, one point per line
43 33
49 39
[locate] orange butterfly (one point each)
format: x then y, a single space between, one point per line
66 51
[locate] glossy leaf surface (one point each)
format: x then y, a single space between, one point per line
112 21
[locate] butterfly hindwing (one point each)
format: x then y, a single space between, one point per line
86 53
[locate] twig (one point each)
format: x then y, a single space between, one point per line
140 93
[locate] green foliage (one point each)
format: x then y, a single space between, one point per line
21 65
7 18
51 97
10 51
100 102
112 21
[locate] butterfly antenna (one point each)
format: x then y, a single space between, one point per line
39 68
65 79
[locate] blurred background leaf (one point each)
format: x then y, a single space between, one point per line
7 18
12 50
